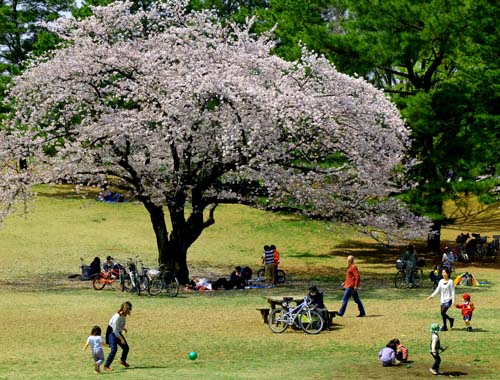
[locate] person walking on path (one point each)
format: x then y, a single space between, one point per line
351 285
447 289
115 337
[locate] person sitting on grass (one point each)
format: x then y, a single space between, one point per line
387 355
401 351
236 280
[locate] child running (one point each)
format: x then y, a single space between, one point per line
95 342
467 309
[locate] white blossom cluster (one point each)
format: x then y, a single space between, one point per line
186 109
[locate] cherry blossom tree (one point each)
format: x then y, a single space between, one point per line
190 113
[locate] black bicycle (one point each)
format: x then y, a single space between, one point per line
162 280
133 279
280 275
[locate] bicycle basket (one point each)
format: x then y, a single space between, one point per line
153 273
400 264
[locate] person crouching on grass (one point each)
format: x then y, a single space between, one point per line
387 355
467 309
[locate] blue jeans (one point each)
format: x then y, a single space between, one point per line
347 295
114 342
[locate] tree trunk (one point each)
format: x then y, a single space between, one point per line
171 252
434 238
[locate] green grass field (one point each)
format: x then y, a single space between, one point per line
47 317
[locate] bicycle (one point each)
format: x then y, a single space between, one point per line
302 315
400 278
280 275
162 280
133 280
460 249
108 277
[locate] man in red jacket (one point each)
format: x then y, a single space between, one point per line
351 284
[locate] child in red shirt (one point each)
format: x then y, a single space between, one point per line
401 351
467 309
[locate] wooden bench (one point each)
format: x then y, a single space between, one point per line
264 312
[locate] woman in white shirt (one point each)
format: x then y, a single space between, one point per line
115 337
447 289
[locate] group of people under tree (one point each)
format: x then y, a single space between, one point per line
238 279
107 265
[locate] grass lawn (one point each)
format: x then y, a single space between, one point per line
47 317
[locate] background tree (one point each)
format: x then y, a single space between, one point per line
190 114
21 35
429 56
438 60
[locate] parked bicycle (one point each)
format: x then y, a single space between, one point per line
493 247
162 280
108 277
132 279
460 249
400 278
302 315
280 279
475 247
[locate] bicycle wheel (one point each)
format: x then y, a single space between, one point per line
278 320
419 275
281 277
99 282
143 283
261 273
155 286
400 280
125 282
311 321
134 281
172 287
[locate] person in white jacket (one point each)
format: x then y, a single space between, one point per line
447 289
